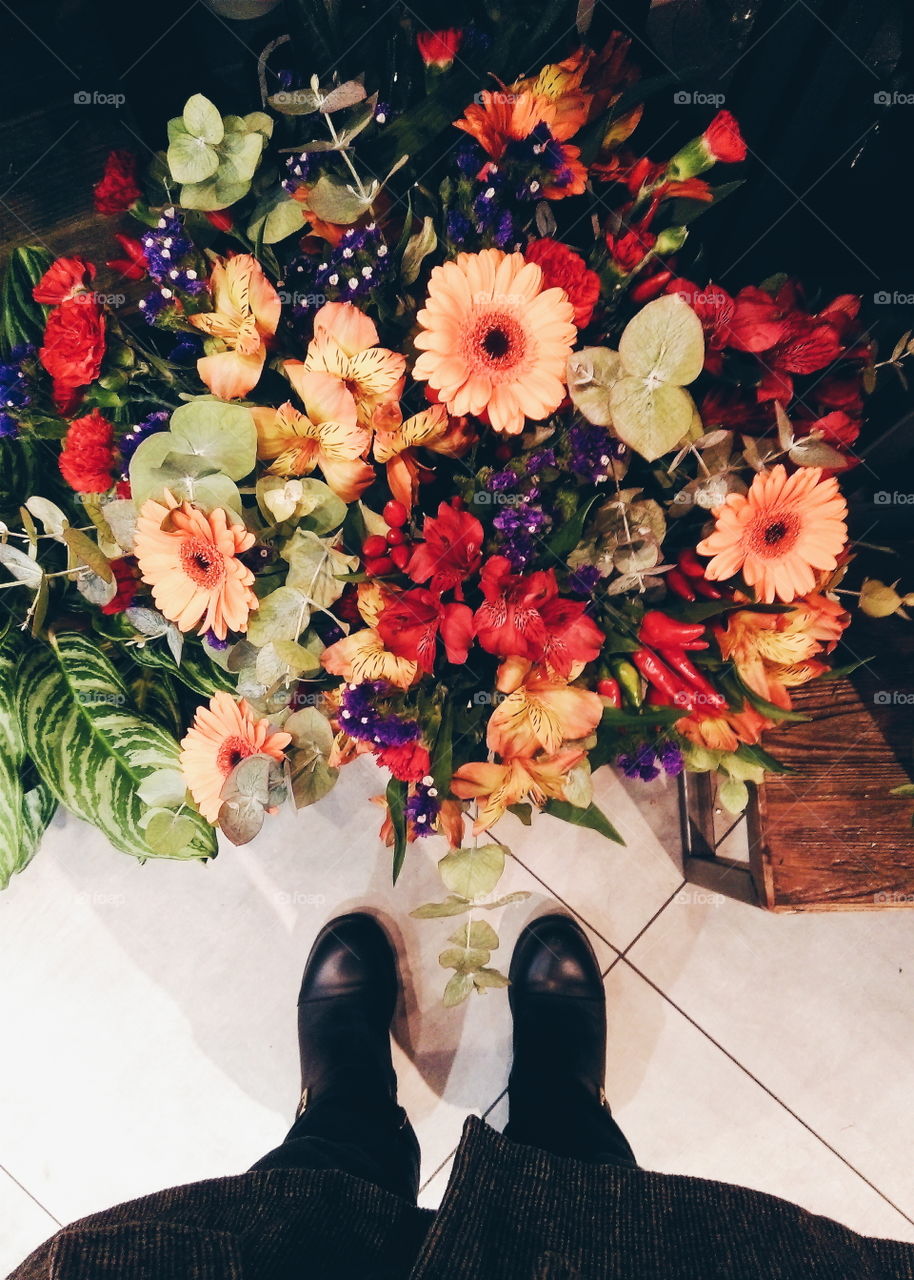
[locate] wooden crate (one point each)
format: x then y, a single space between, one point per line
830 836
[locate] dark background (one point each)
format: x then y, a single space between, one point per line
822 89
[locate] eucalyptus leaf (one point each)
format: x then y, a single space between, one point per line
333 201
192 159
202 119
473 873
22 567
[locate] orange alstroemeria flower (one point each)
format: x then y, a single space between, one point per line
246 313
724 732
500 785
542 714
345 345
396 442
327 435
560 84
362 656
499 118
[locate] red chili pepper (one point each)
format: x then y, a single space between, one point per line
650 287
655 673
610 690
660 631
707 589
690 564
685 668
680 585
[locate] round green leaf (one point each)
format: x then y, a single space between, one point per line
473 873
664 342
650 417
591 376
191 159
284 219
283 615
202 119
224 434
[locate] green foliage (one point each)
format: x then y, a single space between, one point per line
93 748
22 319
592 817
215 159
25 807
209 444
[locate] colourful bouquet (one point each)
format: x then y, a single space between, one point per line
449 466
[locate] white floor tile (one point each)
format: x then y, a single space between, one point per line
153 1007
614 888
24 1225
687 1109
819 1007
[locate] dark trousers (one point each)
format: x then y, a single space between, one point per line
374 1141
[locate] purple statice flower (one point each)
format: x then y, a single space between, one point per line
15 389
215 642
351 269
458 227
521 528
539 460
670 756
536 162
298 171
382 113
592 451
172 263
640 765
361 719
423 807
583 580
129 443
186 350
501 481
469 158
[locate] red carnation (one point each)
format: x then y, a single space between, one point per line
88 454
451 552
117 189
64 278
438 49
74 346
125 574
409 762
724 140
564 269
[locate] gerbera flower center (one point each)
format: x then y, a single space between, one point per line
231 753
203 562
496 343
773 535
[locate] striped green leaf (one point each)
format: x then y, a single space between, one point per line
22 319
24 813
92 746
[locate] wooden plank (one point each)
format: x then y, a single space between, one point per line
830 836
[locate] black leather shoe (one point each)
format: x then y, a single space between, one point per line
345 1007
555 1092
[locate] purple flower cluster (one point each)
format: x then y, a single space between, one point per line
539 163
359 263
592 451
423 807
15 389
167 247
647 761
483 196
583 580
521 521
129 443
299 167
362 720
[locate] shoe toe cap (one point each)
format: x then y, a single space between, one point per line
554 957
351 953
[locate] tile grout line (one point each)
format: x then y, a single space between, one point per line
44 1208
619 956
770 1092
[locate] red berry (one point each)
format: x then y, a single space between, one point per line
395 514
395 537
379 567
400 556
374 546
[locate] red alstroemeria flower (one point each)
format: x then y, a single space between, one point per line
64 278
450 553
410 624
133 266
524 617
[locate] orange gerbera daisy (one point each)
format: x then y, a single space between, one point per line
221 736
492 339
190 559
779 533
